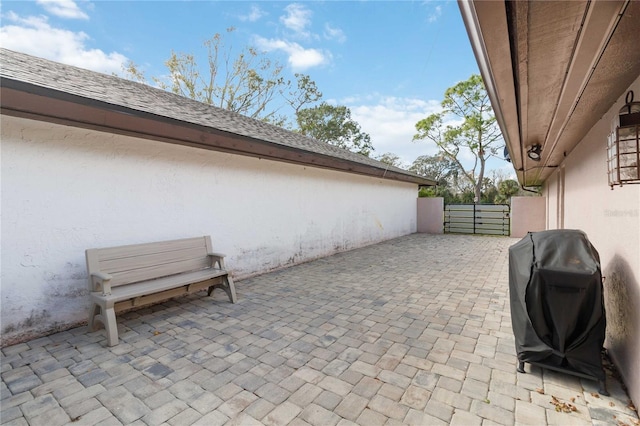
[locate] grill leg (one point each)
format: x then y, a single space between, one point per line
602 388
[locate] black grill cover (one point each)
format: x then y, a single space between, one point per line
557 307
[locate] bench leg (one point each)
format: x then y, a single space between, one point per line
107 316
110 325
231 290
94 312
227 286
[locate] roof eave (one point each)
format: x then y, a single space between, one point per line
498 74
31 101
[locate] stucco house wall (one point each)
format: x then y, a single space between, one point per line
611 219
527 215
66 189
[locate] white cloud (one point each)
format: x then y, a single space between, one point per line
391 124
297 19
33 35
331 33
254 14
63 8
435 14
298 57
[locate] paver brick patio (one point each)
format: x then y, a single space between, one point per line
415 330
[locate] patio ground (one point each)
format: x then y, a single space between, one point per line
415 330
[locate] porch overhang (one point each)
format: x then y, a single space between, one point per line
552 70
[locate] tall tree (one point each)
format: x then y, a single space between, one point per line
307 93
253 85
436 167
466 123
391 159
246 83
507 189
333 124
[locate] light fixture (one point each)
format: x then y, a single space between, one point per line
535 152
623 147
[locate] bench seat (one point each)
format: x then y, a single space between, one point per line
125 292
127 277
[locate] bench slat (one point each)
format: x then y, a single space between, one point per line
183 261
156 271
142 262
161 284
108 253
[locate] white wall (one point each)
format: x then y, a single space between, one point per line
65 190
611 220
528 214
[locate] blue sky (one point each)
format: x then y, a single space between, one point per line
388 61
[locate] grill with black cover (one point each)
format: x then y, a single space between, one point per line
557 306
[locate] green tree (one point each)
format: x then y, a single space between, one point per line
466 103
248 83
391 159
489 191
333 125
507 189
132 72
436 167
307 93
444 172
253 85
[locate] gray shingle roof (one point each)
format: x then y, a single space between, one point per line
123 94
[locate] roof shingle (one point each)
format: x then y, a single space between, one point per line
132 97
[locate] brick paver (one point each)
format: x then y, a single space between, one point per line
415 330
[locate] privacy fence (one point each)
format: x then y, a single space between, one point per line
490 219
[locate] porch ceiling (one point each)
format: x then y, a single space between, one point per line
553 69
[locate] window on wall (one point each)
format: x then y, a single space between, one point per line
623 146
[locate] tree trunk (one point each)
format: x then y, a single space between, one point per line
478 188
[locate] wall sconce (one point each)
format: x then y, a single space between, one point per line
507 157
623 145
535 152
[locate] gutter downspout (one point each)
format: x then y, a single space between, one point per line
470 18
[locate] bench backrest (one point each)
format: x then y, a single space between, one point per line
140 262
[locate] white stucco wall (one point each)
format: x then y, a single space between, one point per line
65 190
611 219
528 214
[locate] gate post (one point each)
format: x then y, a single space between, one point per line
474 218
430 215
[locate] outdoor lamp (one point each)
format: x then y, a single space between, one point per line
623 146
507 157
534 152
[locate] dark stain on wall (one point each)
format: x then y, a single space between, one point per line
35 318
70 284
65 291
621 296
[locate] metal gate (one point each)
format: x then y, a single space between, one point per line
492 219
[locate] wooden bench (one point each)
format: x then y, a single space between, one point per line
129 276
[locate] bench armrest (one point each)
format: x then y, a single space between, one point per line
217 258
101 282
